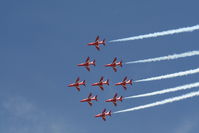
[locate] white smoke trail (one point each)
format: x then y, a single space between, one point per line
158 103
156 34
169 57
178 88
178 74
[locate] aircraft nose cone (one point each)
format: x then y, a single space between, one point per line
79 64
96 115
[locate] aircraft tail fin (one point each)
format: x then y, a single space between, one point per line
95 98
120 98
120 63
131 81
84 82
110 113
104 42
94 62
107 81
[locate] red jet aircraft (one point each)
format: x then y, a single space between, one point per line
114 64
97 43
89 99
124 82
101 83
77 84
115 99
87 63
104 114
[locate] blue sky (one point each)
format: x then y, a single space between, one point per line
42 41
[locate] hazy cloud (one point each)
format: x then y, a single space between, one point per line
187 125
22 116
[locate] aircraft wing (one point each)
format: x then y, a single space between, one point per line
124 86
104 118
101 79
101 87
97 38
89 96
115 95
77 80
125 78
90 103
97 47
78 88
114 60
104 111
115 69
88 58
88 68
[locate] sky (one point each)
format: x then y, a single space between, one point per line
41 42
